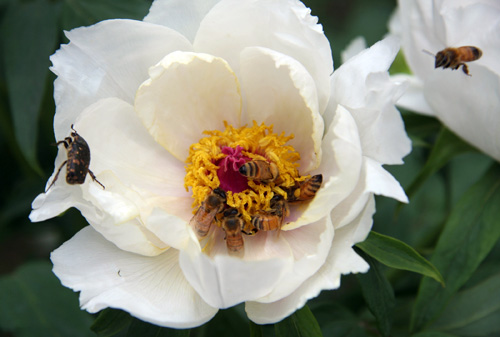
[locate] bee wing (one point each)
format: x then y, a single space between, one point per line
202 220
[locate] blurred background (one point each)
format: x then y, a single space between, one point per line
32 301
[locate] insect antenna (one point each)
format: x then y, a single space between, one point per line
428 52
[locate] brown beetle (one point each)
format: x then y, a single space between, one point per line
77 164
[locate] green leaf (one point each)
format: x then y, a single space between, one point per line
378 294
447 146
227 323
397 254
143 329
470 232
302 323
420 127
337 320
33 303
399 65
110 322
78 13
475 310
432 334
255 330
29 34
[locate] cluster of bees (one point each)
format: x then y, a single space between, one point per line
232 222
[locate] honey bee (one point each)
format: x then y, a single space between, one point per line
205 215
232 223
307 189
272 219
249 229
260 170
455 57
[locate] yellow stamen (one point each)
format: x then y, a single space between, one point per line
258 142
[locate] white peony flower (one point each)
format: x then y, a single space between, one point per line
183 99
468 105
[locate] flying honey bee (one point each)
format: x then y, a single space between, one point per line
205 215
307 189
455 57
260 170
272 219
232 223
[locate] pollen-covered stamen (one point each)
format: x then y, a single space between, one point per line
214 162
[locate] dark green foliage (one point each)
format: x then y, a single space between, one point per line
299 324
33 303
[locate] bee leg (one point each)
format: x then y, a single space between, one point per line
465 69
57 175
95 179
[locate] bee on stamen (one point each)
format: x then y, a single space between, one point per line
232 224
78 161
260 170
205 215
307 189
272 219
455 57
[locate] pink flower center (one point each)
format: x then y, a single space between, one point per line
229 176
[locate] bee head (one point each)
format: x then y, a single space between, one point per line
220 192
243 170
230 212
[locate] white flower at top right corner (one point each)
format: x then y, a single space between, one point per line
469 105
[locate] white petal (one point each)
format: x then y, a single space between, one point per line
285 26
58 199
341 166
354 47
373 179
433 26
188 93
341 260
183 16
474 24
424 31
381 128
132 167
381 182
224 281
469 106
413 98
169 228
349 81
310 246
109 59
119 143
365 89
278 90
150 288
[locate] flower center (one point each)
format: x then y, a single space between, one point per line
216 162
